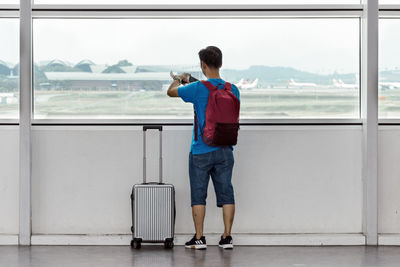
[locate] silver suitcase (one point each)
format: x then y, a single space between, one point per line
153 206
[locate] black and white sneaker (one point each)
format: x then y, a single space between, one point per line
226 242
195 243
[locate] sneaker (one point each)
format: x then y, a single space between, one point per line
226 242
196 243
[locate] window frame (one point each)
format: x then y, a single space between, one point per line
192 11
368 106
198 11
9 11
389 12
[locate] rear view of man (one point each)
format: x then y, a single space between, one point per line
206 157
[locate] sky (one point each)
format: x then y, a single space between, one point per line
9 47
389 44
315 45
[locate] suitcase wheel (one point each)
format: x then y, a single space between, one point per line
136 244
169 243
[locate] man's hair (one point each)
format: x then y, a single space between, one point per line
212 56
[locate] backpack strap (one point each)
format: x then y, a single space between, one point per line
209 85
228 86
196 124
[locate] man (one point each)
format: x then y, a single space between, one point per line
204 160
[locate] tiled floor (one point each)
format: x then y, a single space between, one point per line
101 256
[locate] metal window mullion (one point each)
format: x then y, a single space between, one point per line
9 7
390 121
180 122
369 104
25 111
389 7
188 11
197 14
4 14
387 14
186 7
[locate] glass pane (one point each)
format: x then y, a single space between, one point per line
194 2
389 68
102 68
9 54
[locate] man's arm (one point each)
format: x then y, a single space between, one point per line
173 89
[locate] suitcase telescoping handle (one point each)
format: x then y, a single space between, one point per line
145 128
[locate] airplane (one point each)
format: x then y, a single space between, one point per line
8 98
240 83
246 85
341 84
291 83
389 85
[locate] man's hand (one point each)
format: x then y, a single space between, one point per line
178 80
184 77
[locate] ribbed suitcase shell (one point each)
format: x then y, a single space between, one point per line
153 210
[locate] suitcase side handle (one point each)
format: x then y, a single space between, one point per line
145 128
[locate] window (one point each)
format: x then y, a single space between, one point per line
107 68
389 69
9 54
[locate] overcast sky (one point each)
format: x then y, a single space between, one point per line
317 45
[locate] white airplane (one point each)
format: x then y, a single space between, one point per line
240 83
389 85
291 83
8 98
246 84
341 84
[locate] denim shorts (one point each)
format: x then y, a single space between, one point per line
218 164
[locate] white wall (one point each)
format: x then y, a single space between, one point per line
288 179
292 179
389 179
9 186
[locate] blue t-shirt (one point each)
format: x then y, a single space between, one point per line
197 94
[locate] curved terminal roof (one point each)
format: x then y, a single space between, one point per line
88 76
85 62
57 62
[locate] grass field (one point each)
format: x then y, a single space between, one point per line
257 103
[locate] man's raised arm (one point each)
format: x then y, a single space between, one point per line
173 89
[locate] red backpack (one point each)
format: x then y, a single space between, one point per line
222 116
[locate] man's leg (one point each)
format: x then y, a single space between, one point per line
228 212
198 212
199 176
221 176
